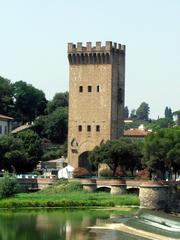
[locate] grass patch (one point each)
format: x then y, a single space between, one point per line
66 195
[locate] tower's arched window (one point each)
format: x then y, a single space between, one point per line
98 88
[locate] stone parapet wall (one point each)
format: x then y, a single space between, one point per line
109 46
35 183
78 54
111 182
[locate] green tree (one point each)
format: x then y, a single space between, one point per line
168 113
174 157
12 154
133 114
142 112
8 186
159 123
33 147
56 128
6 96
53 126
59 100
118 153
20 153
29 101
161 150
40 126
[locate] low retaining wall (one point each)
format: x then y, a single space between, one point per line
152 194
35 184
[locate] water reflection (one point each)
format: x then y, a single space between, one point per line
53 224
65 225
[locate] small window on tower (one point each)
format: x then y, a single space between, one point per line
80 88
80 128
88 128
89 88
98 88
97 128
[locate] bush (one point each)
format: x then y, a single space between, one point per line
81 172
53 152
73 187
143 174
8 186
105 173
120 173
104 170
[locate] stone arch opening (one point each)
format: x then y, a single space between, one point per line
133 191
104 189
84 162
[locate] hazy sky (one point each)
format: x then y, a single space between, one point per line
34 36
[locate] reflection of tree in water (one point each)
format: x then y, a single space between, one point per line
59 224
18 227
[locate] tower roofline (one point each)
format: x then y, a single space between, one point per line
108 47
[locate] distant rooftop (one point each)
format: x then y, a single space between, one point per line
21 128
137 132
3 117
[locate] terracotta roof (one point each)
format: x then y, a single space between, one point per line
135 132
3 117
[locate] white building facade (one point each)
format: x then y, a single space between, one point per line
5 125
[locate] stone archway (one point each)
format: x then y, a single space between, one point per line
104 189
84 162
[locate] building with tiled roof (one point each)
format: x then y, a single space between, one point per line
140 132
5 124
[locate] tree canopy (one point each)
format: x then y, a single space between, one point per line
161 150
123 153
142 112
29 101
6 96
20 153
168 113
53 126
59 100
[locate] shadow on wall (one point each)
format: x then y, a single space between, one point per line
84 162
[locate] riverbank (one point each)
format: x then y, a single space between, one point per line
68 195
73 199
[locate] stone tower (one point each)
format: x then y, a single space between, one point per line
96 97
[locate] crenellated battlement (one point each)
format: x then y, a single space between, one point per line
89 54
109 46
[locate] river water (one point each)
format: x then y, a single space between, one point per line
73 224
